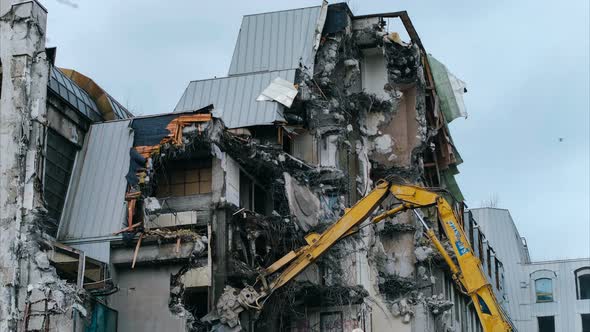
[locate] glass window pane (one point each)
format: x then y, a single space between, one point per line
544 290
584 287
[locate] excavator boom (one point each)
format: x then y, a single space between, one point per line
468 275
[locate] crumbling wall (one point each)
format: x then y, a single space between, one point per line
366 100
32 297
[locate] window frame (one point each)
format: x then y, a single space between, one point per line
68 172
583 271
537 294
539 318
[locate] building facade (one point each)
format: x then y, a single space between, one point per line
45 115
539 296
139 223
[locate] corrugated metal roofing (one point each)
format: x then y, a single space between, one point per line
95 204
73 94
235 97
277 40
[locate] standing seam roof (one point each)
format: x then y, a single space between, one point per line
235 97
95 204
277 40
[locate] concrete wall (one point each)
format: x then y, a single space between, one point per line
334 319
142 301
27 280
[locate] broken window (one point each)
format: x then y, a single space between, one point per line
583 283
546 323
331 322
184 178
74 267
252 196
59 162
544 290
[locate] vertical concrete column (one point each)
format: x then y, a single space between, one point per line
219 256
219 229
22 117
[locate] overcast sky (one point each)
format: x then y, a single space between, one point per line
526 65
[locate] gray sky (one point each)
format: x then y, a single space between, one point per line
526 65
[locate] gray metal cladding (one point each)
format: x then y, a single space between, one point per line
95 204
275 41
235 97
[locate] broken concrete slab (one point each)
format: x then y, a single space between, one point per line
303 203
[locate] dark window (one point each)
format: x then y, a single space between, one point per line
331 322
489 261
195 301
583 283
184 178
287 144
252 196
480 246
546 324
471 231
585 322
246 192
259 200
544 290
497 266
59 161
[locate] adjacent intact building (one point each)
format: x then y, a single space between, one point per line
541 296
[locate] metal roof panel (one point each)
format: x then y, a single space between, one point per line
236 97
95 203
277 40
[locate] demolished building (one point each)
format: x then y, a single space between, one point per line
161 213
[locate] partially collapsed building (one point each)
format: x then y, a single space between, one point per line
139 223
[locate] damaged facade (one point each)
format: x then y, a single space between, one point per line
45 115
157 215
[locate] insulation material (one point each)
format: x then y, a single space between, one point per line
328 150
364 178
279 90
303 203
450 90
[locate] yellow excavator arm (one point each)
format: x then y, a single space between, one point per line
469 275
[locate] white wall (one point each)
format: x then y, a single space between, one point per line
500 230
374 72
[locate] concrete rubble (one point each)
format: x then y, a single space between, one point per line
206 207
